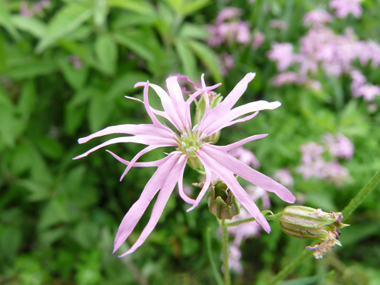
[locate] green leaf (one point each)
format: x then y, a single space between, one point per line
124 84
27 98
194 6
54 212
99 111
6 22
50 147
106 51
138 6
137 42
65 21
31 68
30 24
193 31
100 12
75 77
74 117
22 159
188 60
131 19
208 57
37 191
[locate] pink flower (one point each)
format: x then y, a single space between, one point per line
191 146
284 177
317 18
340 147
285 77
311 152
279 24
281 53
246 156
345 7
258 40
368 91
228 13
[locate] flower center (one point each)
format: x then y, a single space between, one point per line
190 142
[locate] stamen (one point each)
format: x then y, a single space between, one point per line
192 148
183 144
202 137
195 128
184 135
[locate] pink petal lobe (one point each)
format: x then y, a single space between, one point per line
249 174
138 164
135 213
171 178
234 145
241 195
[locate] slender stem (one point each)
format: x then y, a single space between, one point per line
290 267
215 270
358 199
227 278
272 217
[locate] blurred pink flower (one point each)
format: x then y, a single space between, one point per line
284 177
317 18
345 7
228 13
279 24
368 91
234 259
246 156
285 77
189 144
258 40
282 54
311 152
231 31
340 147
226 63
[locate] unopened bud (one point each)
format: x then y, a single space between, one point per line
221 202
214 100
308 223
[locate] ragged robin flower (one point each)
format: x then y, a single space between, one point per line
191 146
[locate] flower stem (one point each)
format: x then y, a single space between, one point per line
358 199
290 267
214 268
227 278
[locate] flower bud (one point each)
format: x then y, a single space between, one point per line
221 201
308 223
215 100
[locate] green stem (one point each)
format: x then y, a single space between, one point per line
237 223
358 199
227 278
214 268
290 267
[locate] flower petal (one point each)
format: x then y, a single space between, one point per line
172 176
138 208
227 176
225 106
226 119
249 174
141 139
234 145
131 129
138 164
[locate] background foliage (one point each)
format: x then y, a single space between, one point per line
64 72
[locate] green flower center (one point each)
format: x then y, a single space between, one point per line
190 142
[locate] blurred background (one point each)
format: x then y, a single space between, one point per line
65 67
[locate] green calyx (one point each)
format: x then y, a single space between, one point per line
222 202
308 223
